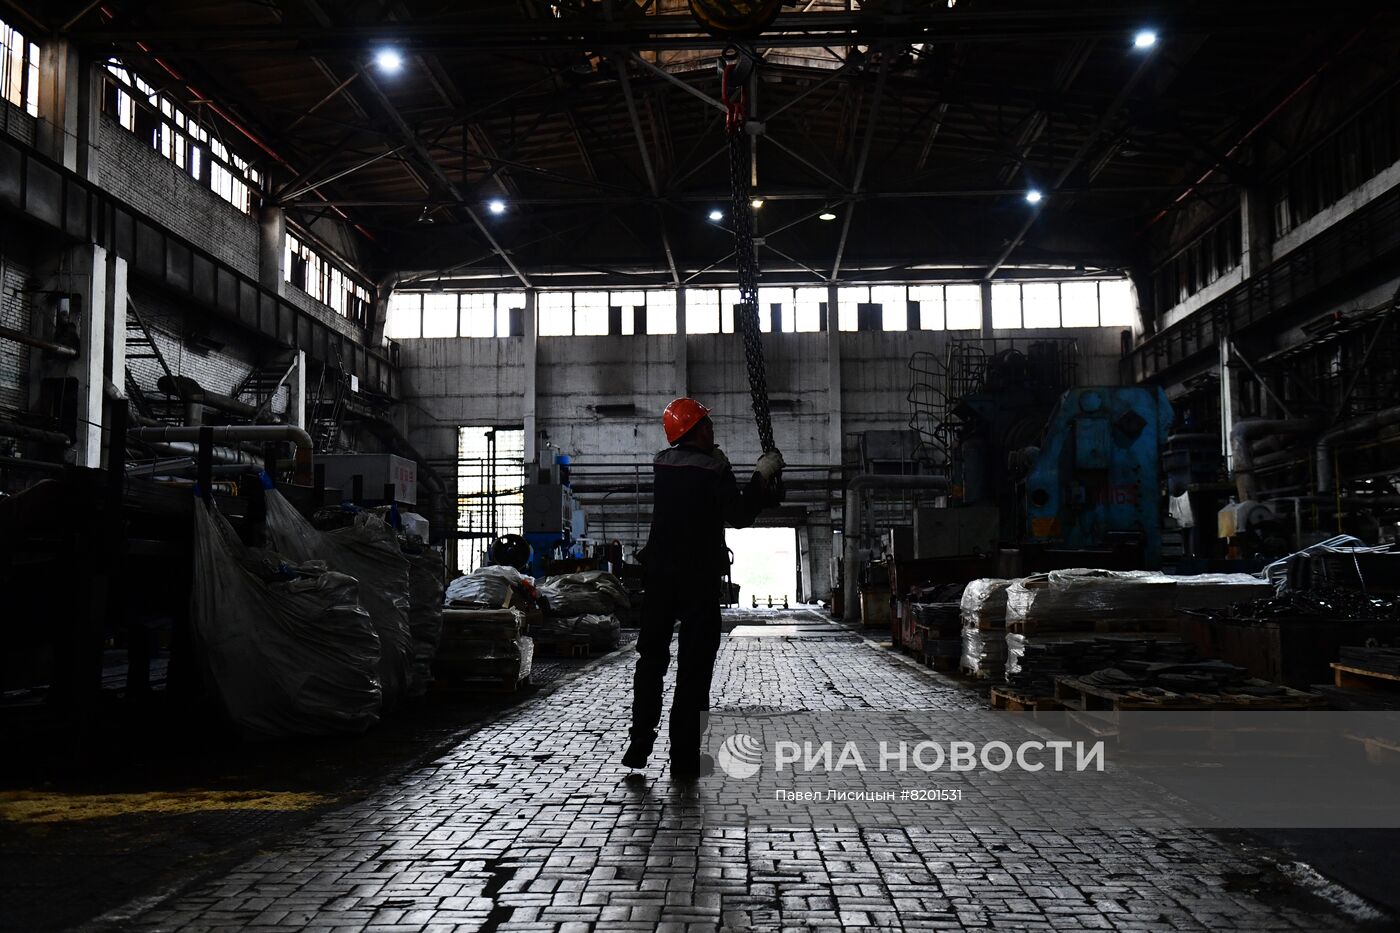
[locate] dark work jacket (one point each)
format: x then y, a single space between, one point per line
696 495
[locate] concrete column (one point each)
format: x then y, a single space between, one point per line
986 290
835 431
272 248
1256 230
115 323
296 392
88 305
682 347
61 87
1229 400
529 323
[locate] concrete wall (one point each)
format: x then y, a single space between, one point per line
16 300
450 382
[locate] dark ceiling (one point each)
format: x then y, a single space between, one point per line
919 125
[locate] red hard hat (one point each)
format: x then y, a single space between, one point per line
680 416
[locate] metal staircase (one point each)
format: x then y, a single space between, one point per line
261 385
328 403
141 345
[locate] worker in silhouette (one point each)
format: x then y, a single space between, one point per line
695 496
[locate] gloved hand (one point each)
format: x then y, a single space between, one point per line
770 465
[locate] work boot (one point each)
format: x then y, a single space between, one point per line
690 767
638 750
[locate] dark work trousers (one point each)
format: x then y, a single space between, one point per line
696 608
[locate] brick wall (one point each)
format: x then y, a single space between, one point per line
170 322
15 122
154 185
15 301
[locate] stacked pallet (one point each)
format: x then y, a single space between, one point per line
983 614
484 649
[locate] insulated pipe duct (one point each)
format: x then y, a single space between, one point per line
191 392
1242 458
1371 422
222 455
851 553
255 433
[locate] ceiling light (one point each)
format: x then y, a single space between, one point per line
388 60
1033 196
496 206
716 215
756 203
826 215
1145 39
427 216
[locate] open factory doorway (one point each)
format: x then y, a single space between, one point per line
765 564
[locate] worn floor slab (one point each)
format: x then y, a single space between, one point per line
531 824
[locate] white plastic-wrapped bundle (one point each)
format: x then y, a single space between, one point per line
486 588
593 592
1080 599
1218 590
983 652
288 647
984 604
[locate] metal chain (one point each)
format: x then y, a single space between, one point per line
746 258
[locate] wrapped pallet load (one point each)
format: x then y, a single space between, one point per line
366 548
594 592
425 597
599 632
495 587
1072 603
484 646
983 611
286 644
1220 590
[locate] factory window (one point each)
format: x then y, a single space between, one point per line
1211 255
439 315
963 306
661 312
590 314
1357 151
809 308
19 70
1006 305
320 278
1039 305
405 319
455 314
894 306
179 136
776 311
702 311
490 489
849 301
556 311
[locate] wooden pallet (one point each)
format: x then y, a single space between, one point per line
1359 678
1015 701
1077 695
944 663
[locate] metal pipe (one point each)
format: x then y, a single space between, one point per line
190 391
26 433
1242 456
189 449
851 531
57 349
257 433
1323 451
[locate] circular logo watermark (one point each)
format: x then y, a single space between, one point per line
741 756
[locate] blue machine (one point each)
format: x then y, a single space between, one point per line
1094 481
554 521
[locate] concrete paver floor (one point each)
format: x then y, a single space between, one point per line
531 823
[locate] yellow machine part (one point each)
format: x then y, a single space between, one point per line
726 18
